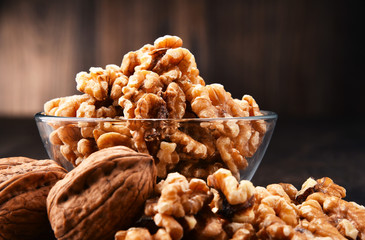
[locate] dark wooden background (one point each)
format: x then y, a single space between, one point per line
302 59
298 58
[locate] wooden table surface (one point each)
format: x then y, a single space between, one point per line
299 149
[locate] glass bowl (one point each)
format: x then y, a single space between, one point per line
195 147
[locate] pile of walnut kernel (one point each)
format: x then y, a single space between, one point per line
113 194
224 208
158 81
197 195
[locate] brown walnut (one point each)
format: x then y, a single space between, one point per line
24 186
102 195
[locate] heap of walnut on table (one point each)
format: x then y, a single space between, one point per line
223 208
113 194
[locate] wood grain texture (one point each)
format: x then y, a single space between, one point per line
298 58
37 51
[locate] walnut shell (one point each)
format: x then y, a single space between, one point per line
102 195
24 186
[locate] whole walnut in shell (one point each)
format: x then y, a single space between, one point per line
24 186
102 195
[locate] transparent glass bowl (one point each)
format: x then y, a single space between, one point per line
195 147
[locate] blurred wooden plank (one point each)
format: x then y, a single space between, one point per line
293 56
20 137
37 54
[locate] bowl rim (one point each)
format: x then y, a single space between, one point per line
266 115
